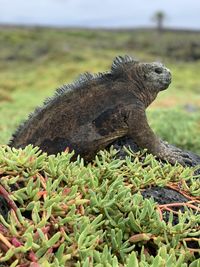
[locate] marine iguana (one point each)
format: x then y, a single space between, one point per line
95 110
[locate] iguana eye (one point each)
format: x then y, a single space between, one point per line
158 70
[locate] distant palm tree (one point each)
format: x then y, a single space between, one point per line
159 18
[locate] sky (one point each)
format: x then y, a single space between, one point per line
100 13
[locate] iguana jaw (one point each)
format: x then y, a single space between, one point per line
166 85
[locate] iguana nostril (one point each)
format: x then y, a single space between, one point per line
158 70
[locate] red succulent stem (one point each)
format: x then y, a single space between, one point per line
6 195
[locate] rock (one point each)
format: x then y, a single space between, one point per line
164 195
128 142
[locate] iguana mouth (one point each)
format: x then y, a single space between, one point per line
169 80
166 84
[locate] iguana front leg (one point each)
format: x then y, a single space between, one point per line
142 134
177 154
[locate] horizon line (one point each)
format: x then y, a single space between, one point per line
50 26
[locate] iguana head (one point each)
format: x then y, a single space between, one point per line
145 79
153 76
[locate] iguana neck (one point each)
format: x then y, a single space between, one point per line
145 95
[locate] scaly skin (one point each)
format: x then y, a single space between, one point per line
97 109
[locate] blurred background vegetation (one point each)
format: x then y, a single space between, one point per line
34 61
